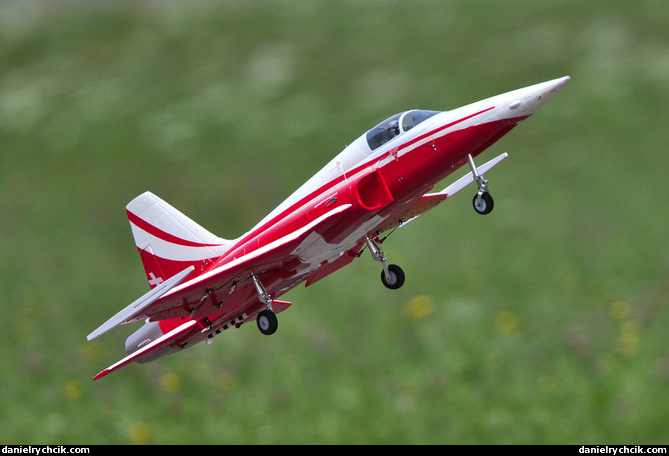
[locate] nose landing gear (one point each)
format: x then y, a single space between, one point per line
483 202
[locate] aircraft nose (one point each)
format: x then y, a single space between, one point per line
528 100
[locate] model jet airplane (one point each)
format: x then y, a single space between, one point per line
202 285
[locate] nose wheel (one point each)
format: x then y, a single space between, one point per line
394 279
483 202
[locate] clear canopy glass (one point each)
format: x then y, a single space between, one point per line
395 126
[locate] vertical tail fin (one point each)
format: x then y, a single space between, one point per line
168 241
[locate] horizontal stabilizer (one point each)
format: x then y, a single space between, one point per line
129 313
157 344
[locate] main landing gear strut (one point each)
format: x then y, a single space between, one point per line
266 319
392 275
483 202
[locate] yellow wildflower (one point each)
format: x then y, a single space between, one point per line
419 307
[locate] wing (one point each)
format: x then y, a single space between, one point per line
170 338
184 335
228 286
129 313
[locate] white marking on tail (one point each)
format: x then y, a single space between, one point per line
155 280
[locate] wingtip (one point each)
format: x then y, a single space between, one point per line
101 374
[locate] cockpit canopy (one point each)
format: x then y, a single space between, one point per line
396 125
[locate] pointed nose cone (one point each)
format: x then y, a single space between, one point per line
528 100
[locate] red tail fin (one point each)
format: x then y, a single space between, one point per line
168 241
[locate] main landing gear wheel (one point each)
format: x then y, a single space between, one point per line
266 319
395 279
483 203
267 322
392 275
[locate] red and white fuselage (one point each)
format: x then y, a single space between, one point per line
380 182
376 183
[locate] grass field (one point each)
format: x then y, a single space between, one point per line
544 322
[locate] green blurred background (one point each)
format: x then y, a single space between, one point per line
544 322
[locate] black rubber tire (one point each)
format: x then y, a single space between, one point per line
396 277
267 322
486 205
